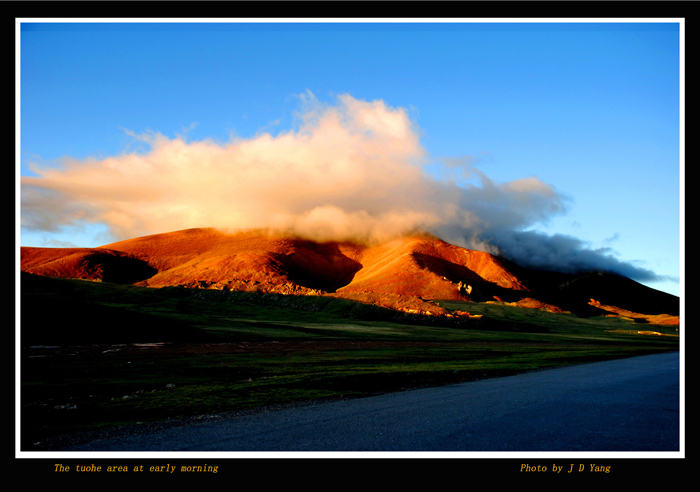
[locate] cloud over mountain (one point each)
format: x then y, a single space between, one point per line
349 170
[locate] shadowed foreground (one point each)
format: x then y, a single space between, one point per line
621 405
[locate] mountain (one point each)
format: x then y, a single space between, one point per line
407 273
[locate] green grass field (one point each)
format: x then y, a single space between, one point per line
95 355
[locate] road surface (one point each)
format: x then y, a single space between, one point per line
623 405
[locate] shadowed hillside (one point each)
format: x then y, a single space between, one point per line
89 264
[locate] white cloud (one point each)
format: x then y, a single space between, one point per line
349 170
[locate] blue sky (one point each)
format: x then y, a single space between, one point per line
576 126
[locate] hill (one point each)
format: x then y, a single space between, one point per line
408 273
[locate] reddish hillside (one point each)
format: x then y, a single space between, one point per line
421 265
428 267
405 273
248 260
85 263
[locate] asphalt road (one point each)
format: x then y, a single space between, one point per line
623 405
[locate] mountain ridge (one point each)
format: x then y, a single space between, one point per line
407 273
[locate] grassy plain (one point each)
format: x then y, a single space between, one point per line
97 355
